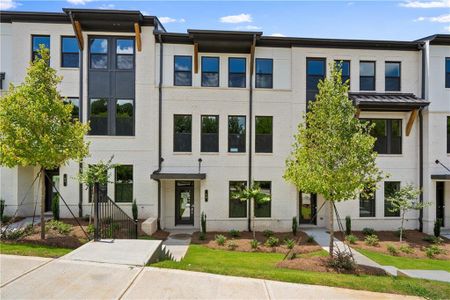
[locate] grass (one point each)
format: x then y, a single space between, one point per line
407 262
32 250
263 265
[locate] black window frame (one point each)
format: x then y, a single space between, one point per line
114 121
108 118
33 52
389 136
447 72
261 139
203 136
236 202
122 185
374 76
108 39
242 136
387 204
367 199
257 75
175 71
69 100
399 77
448 134
345 77
66 52
317 78
259 209
176 145
217 73
237 73
133 55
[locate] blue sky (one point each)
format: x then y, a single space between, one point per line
391 20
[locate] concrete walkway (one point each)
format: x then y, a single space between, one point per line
68 279
22 224
177 243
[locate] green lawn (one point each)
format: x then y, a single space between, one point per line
406 262
32 250
262 265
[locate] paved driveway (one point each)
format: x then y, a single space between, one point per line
35 278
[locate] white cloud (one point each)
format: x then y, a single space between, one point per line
248 27
107 6
438 19
447 29
277 34
166 20
426 4
78 2
241 18
7 4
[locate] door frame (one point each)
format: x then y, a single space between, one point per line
178 189
440 201
49 188
313 209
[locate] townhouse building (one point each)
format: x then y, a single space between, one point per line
190 116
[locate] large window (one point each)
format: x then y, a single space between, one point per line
236 72
210 71
367 203
447 72
236 134
182 136
98 53
182 70
98 116
124 117
125 54
392 73
210 134
237 208
263 210
123 185
70 55
37 41
104 121
345 67
315 71
264 134
390 187
448 134
76 107
264 73
389 136
367 76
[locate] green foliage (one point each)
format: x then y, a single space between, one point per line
97 173
342 261
254 244
272 241
372 240
36 126
59 226
220 239
437 227
232 245
352 239
32 250
290 244
90 229
202 236
310 239
294 226
348 225
433 239
368 231
235 233
14 234
134 210
268 233
203 222
2 209
55 207
406 249
434 250
392 250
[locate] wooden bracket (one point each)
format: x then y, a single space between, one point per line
195 58
412 118
79 34
137 32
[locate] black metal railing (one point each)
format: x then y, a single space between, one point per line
110 221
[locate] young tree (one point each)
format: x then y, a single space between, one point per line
333 151
403 200
37 127
255 196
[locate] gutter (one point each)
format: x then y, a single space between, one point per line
252 66
421 175
80 97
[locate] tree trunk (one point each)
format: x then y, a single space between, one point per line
42 190
401 226
331 225
252 210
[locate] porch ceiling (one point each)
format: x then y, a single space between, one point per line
444 177
178 176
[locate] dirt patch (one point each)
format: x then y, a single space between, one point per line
160 235
412 238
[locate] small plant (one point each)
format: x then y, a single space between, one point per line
406 249
348 225
372 240
434 250
13 234
399 232
55 207
433 239
134 210
437 227
352 239
202 236
368 231
342 261
294 226
289 243
235 233
254 244
90 229
2 209
392 250
59 226
272 241
310 239
203 222
220 239
268 233
232 245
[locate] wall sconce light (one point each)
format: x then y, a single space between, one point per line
206 195
65 179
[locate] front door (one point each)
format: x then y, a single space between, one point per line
308 208
51 181
184 202
440 206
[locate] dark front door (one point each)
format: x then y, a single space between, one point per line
184 202
440 204
308 208
51 181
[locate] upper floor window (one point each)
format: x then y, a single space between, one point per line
182 139
448 134
123 185
447 72
237 72
182 70
98 116
392 73
38 40
315 71
264 73
124 117
75 107
367 203
345 68
210 71
237 208
263 210
367 76
390 187
210 134
125 54
389 136
69 52
98 53
236 134
263 134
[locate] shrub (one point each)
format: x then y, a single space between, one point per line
348 225
134 210
254 244
289 243
434 250
2 209
351 239
342 261
368 231
202 236
203 222
220 239
437 227
310 239
55 207
59 226
15 234
294 226
232 245
90 229
235 233
372 240
406 249
272 241
433 239
392 250
268 233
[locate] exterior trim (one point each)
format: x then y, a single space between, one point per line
159 176
440 177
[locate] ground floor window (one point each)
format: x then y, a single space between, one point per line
264 210
123 185
390 187
238 208
367 203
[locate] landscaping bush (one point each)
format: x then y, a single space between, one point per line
134 210
433 239
254 244
294 226
368 231
406 249
289 243
310 239
434 250
202 236
59 226
272 241
342 261
232 245
268 233
2 209
15 234
392 250
351 239
220 239
372 240
55 207
437 227
348 225
90 229
235 233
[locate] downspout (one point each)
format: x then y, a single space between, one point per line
423 49
160 159
250 125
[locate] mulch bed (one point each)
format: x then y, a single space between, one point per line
160 235
243 242
412 238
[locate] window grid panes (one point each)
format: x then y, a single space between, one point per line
210 133
390 187
69 52
98 116
367 76
263 134
315 71
367 203
448 134
76 107
125 117
389 135
125 54
447 72
392 76
236 134
237 72
98 53
182 70
263 210
182 133
36 41
264 73
237 208
123 187
345 67
210 71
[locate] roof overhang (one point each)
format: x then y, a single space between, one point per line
387 101
437 39
444 177
223 41
178 176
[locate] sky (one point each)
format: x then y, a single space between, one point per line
352 19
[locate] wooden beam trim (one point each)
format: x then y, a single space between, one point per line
137 32
79 34
195 58
412 118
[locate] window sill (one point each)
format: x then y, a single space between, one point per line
118 137
69 68
390 155
182 153
209 153
263 153
237 153
238 218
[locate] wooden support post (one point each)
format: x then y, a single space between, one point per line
79 34
137 32
412 118
195 58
